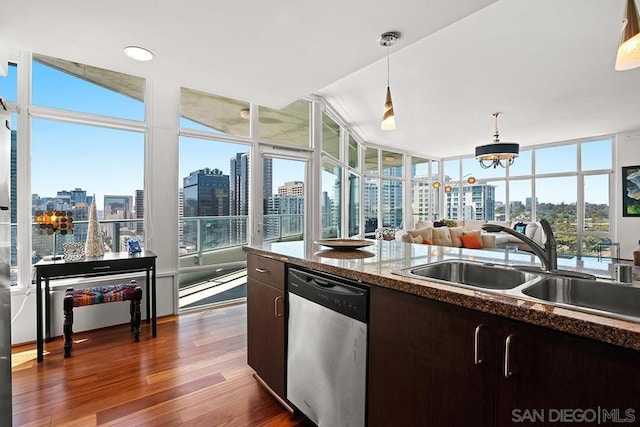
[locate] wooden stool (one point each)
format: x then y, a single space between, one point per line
100 295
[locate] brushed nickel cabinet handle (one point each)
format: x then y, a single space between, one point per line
275 307
476 346
507 352
261 270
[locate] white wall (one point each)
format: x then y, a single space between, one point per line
627 231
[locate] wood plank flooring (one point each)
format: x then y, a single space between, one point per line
194 373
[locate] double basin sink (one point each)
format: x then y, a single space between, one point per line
601 297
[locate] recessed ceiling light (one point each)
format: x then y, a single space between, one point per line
138 53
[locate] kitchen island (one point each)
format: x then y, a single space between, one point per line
442 354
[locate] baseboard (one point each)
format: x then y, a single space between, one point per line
273 393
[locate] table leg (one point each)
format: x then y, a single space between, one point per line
154 326
47 311
39 343
147 286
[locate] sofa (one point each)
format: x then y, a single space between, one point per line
469 234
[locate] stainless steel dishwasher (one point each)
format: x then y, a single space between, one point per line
327 348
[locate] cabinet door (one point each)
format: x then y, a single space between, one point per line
422 369
550 374
266 333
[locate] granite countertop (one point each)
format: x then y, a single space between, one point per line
374 265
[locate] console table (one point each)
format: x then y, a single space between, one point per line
108 264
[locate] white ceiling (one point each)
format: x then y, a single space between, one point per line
547 65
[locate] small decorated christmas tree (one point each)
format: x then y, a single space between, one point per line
94 245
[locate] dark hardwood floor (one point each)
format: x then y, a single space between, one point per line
194 373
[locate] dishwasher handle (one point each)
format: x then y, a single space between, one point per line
334 288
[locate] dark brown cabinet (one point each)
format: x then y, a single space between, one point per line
438 364
552 377
430 363
266 321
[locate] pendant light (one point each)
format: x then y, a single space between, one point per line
388 119
629 50
497 153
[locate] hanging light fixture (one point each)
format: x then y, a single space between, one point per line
629 50
497 153
388 119
448 188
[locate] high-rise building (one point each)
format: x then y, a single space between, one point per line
239 176
239 185
206 193
284 216
370 205
139 209
239 191
14 201
78 195
118 208
478 202
291 188
181 216
391 203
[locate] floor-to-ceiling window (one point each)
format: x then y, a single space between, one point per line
566 183
213 200
424 196
218 155
352 187
87 145
284 208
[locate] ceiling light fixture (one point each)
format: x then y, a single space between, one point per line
448 188
388 119
629 50
497 153
138 53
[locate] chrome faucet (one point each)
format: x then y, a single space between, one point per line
548 255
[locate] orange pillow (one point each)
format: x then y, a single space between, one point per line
470 241
427 242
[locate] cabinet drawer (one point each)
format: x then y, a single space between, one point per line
266 270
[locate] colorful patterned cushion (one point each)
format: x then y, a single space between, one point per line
102 294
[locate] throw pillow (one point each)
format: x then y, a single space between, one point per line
520 227
426 233
455 233
427 242
471 241
441 236
406 238
417 239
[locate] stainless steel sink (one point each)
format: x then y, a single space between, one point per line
610 298
470 273
605 298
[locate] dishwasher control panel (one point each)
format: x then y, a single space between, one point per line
338 294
